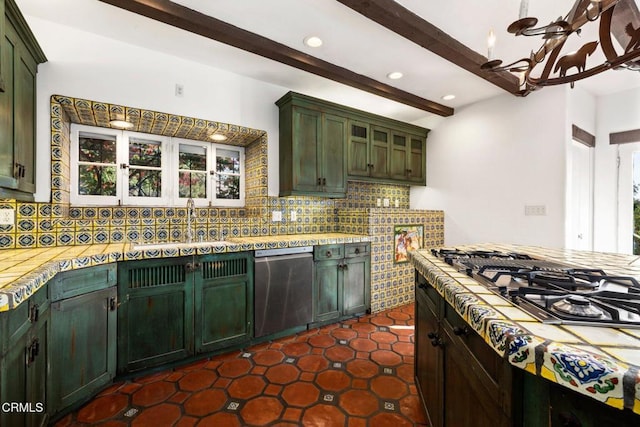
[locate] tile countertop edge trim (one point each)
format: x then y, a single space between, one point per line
14 294
540 357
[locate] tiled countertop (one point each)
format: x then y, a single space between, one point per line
600 362
24 271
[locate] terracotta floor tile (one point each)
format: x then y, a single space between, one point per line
295 349
384 337
292 414
262 410
405 372
307 376
317 350
399 315
381 321
222 382
197 380
158 416
259 370
362 344
114 424
312 363
389 387
339 353
112 388
246 387
360 384
386 358
234 368
185 421
153 393
268 357
388 419
102 408
129 388
362 368
322 341
220 419
357 422
359 402
344 333
363 327
323 416
300 394
282 374
179 397
403 348
205 402
193 366
273 390
152 378
333 380
174 377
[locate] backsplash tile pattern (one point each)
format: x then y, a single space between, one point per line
59 224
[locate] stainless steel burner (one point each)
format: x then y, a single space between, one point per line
577 305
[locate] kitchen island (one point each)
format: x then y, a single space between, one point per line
515 368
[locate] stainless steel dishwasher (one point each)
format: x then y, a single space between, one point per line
283 289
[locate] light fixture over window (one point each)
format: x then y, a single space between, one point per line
121 124
313 41
218 137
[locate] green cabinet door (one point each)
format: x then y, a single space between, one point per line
223 301
358 149
417 160
399 166
327 298
334 155
83 359
23 362
380 149
155 318
356 285
307 150
7 146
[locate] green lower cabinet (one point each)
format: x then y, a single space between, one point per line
342 281
83 360
23 365
223 301
155 318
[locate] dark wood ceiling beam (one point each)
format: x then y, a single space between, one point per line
190 20
402 21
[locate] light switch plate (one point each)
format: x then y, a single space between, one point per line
276 216
7 216
385 203
294 216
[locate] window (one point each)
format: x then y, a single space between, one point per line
120 167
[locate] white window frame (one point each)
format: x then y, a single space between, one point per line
75 197
169 170
165 147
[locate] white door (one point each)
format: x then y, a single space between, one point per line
581 197
628 189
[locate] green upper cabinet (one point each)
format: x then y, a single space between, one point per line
322 145
20 55
312 151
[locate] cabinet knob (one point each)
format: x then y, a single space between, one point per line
324 181
357 251
319 181
432 335
328 254
457 330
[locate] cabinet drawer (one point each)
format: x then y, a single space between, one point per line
77 282
356 249
324 252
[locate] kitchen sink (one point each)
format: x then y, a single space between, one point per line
178 245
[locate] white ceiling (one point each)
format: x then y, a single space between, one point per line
350 40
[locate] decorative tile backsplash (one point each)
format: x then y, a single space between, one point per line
59 224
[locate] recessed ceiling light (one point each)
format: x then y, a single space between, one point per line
395 75
448 97
218 137
313 41
121 124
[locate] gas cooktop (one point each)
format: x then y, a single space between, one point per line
552 292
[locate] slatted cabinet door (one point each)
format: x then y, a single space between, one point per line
155 318
223 300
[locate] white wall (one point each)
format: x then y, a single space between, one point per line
87 66
616 113
489 160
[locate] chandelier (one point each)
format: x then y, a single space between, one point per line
550 66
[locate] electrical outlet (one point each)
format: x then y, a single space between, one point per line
179 90
276 216
535 210
294 216
385 203
7 216
378 202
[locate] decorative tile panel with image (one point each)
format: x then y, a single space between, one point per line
406 238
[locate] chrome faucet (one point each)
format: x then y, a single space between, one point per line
191 210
